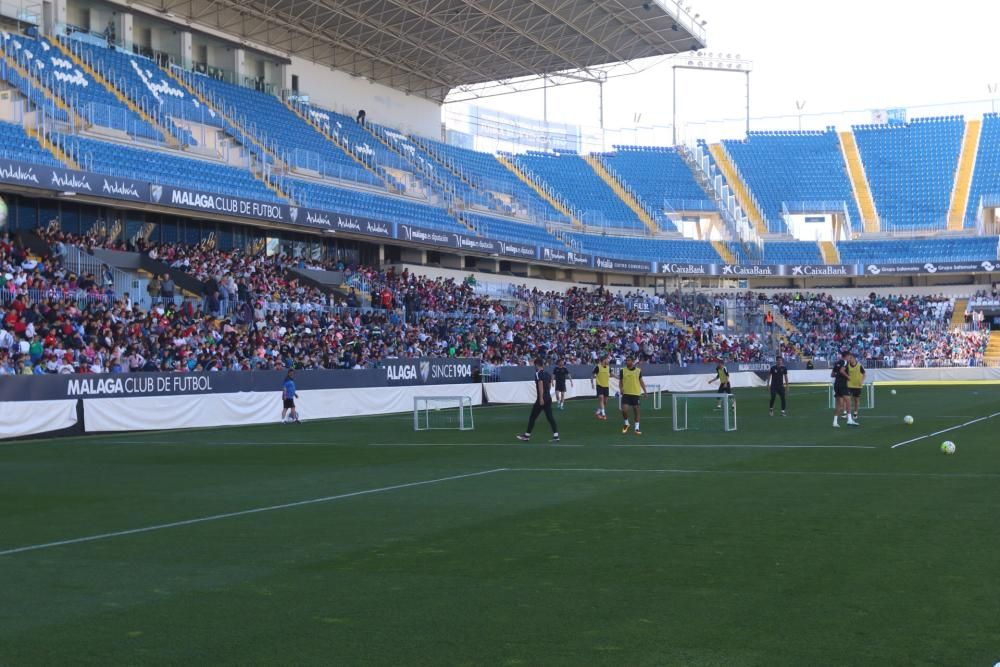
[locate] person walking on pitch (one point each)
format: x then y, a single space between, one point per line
632 387
288 396
561 374
778 382
602 379
543 402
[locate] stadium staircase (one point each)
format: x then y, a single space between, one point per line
958 314
828 249
963 175
55 149
556 204
859 182
196 94
333 139
601 170
739 187
168 133
992 355
724 252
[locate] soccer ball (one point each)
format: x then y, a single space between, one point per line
907 420
947 447
893 392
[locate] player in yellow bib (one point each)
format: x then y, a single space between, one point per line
722 377
601 377
632 387
855 380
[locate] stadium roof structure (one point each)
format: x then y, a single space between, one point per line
431 47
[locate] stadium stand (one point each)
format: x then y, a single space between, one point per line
644 248
793 167
278 127
366 204
95 103
986 176
901 251
659 177
15 144
791 252
911 169
507 229
165 168
570 179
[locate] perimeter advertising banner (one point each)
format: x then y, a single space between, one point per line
402 372
69 180
759 270
930 268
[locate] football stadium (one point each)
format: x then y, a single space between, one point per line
519 332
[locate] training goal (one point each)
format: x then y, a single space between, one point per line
655 394
704 412
442 413
867 396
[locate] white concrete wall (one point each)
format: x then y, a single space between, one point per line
346 94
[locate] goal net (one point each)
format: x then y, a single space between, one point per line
442 413
704 412
867 396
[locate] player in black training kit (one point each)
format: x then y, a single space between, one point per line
543 402
560 374
778 382
842 396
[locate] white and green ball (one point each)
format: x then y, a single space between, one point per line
908 420
948 447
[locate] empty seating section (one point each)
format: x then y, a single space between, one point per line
370 205
441 178
354 137
95 103
145 84
292 139
509 230
571 180
644 248
27 86
911 170
904 251
486 174
799 167
164 168
792 252
15 144
986 177
659 177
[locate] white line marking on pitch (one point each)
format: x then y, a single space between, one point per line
759 446
821 473
944 430
256 510
525 445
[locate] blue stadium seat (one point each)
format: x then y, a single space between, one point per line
986 177
659 178
570 179
911 170
509 230
15 144
903 251
792 252
793 167
645 248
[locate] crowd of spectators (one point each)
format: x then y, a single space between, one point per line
254 315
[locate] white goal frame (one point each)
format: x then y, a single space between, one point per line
422 407
728 408
867 396
654 391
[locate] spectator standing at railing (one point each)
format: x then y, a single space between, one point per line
167 289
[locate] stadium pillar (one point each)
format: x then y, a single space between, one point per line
187 50
123 24
239 64
53 15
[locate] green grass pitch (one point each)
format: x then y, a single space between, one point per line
360 542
